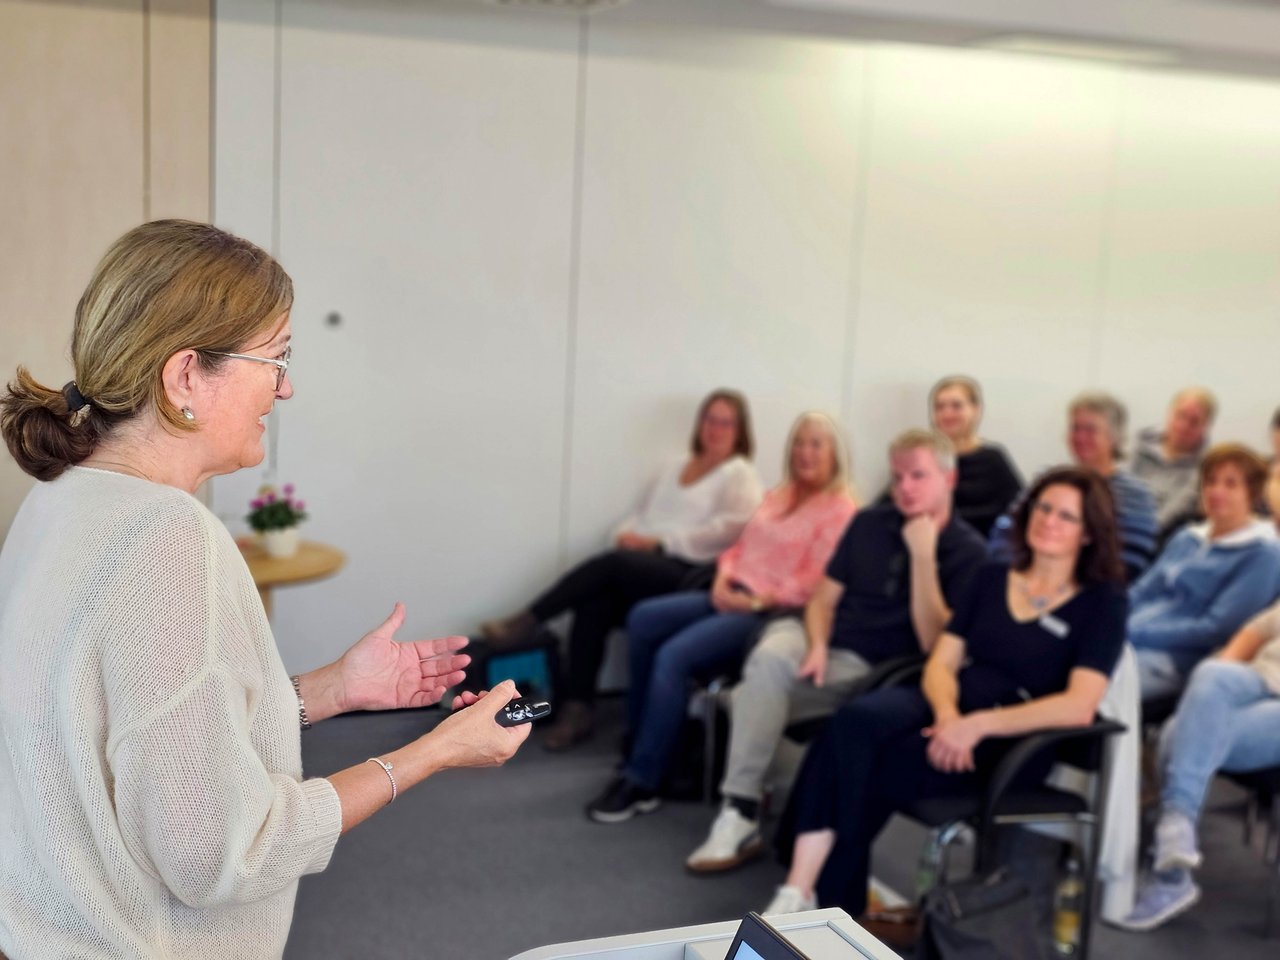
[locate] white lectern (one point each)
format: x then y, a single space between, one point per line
821 934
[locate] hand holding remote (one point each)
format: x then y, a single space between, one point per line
523 710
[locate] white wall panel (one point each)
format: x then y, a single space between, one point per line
982 245
244 118
718 197
1193 289
425 196
816 223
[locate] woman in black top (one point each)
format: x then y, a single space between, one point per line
1031 646
986 480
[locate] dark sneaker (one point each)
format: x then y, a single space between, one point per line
622 801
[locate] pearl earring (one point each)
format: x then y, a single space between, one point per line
186 413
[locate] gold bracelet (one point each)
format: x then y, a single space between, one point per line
386 768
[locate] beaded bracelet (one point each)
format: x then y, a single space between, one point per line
303 720
386 768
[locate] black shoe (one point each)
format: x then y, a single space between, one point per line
622 801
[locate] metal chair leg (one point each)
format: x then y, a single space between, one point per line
710 714
946 839
1271 849
1273 862
935 859
1251 818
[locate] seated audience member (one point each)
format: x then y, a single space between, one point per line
1210 578
1168 460
888 592
773 566
986 480
1030 646
1271 500
1095 433
693 510
1227 720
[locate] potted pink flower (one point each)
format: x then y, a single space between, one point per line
275 517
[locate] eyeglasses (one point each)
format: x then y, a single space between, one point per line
1047 510
282 365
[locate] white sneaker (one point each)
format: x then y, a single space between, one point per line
789 900
732 842
1176 844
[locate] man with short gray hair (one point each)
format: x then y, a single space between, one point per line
888 592
1168 460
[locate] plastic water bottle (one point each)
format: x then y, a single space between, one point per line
1067 901
928 865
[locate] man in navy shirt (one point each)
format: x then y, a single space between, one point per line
888 592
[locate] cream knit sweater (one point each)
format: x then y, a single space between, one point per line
151 793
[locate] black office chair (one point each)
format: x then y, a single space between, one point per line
1157 710
1008 800
1263 787
887 673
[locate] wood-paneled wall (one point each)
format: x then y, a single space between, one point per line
106 109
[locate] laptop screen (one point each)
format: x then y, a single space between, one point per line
757 940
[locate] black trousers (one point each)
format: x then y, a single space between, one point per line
869 762
601 592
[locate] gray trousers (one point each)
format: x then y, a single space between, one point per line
770 697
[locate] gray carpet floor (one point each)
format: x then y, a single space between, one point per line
484 864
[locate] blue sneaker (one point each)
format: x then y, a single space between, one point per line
1160 900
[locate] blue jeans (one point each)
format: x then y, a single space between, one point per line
674 639
1227 720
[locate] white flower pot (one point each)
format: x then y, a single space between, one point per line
281 543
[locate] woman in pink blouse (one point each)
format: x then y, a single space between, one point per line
774 566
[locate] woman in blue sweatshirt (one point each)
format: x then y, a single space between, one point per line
1211 577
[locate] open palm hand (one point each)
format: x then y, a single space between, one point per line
381 673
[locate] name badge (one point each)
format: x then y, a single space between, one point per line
1057 627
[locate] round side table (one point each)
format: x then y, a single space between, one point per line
313 561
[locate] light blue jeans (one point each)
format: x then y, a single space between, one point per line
1227 720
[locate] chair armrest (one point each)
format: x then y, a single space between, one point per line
1031 745
887 673
894 672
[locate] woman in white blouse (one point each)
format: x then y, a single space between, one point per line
151 780
693 510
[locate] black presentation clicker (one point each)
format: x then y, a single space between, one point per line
522 710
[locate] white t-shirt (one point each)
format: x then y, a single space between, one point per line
699 521
151 782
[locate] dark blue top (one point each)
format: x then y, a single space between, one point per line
873 617
986 483
1011 661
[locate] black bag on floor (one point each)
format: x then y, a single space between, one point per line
981 918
